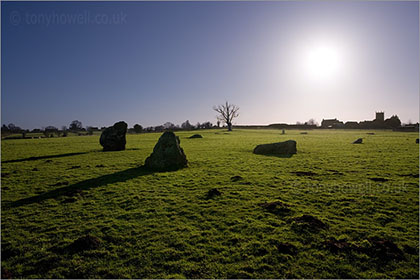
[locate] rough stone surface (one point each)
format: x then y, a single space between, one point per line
281 148
113 137
167 154
195 136
358 141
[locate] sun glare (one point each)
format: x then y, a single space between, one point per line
322 62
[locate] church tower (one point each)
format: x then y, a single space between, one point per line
380 116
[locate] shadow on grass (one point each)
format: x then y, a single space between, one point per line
113 178
60 155
45 157
277 155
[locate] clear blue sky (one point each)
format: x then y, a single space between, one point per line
149 63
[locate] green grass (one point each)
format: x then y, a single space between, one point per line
161 225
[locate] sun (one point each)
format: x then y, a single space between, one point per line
322 62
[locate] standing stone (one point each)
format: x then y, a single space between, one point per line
113 137
417 140
281 148
195 136
358 141
167 154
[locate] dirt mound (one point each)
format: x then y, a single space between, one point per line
236 178
304 173
212 193
310 222
379 179
384 249
286 248
75 167
377 248
336 246
87 242
276 207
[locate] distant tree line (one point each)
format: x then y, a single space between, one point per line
49 131
172 127
227 112
76 128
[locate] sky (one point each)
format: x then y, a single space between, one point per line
154 62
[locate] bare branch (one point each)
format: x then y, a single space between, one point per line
227 113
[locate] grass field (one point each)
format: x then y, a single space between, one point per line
71 210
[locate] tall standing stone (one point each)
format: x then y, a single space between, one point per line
167 154
113 137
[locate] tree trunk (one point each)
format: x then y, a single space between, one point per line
229 126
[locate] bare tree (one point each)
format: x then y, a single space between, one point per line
227 112
311 122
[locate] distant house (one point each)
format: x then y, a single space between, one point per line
331 123
351 125
378 123
367 124
408 128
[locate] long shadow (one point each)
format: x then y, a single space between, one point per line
59 156
117 177
277 155
45 157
